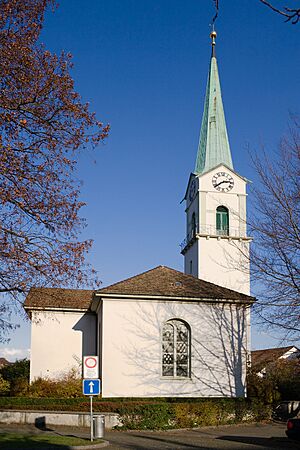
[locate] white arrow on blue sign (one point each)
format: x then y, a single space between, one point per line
91 386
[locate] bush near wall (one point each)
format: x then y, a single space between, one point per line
155 413
14 378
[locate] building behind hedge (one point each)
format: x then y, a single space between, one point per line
163 332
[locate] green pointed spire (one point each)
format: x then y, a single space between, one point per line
214 146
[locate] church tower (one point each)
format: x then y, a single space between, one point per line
216 247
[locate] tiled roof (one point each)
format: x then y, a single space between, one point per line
163 281
260 358
58 298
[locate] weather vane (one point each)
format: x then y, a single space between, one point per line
216 3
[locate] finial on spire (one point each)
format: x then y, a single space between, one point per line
213 36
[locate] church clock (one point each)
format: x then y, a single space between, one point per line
222 181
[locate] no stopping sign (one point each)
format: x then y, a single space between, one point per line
90 367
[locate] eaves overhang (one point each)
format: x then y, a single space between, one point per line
116 296
30 309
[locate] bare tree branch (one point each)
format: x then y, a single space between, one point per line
292 14
275 254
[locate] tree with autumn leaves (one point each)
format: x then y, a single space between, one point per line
44 124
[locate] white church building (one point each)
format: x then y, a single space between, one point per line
165 333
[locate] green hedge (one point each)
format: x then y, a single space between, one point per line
155 413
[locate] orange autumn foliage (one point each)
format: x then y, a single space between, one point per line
44 124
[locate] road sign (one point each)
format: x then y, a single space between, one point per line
91 387
90 367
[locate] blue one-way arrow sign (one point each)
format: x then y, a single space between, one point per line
91 387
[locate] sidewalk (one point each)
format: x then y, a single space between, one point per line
55 429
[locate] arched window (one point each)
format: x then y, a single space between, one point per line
222 221
176 343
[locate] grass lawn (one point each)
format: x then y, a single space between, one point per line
25 441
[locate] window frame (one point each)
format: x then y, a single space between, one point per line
222 212
175 363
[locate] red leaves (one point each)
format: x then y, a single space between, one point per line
42 122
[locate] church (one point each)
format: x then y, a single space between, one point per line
164 333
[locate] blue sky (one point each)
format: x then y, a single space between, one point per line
142 65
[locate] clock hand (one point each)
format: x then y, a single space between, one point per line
224 181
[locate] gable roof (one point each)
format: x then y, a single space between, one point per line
43 298
260 358
166 282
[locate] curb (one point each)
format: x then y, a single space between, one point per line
89 447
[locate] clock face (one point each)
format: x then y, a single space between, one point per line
192 190
222 181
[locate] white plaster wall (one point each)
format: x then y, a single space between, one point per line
131 364
59 340
191 255
205 181
224 262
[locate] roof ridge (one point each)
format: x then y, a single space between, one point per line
146 283
134 276
194 279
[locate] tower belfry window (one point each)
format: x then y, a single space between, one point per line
222 221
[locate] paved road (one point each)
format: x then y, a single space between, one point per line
235 437
230 437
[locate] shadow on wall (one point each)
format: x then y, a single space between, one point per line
87 325
218 349
223 362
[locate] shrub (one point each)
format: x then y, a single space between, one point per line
18 369
138 415
153 413
17 375
19 387
68 386
4 386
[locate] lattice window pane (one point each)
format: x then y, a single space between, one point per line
182 359
168 347
168 358
182 347
182 333
182 370
168 371
168 332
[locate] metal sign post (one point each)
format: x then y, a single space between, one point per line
91 413
91 385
